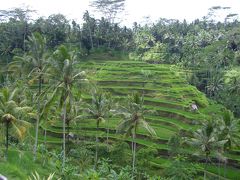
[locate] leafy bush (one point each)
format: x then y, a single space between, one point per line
36 176
180 169
105 171
144 155
84 157
155 54
119 153
174 144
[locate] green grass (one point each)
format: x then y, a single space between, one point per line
20 165
231 173
90 131
212 169
166 92
171 121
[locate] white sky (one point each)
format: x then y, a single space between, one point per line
135 9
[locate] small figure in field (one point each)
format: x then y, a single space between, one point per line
194 107
2 177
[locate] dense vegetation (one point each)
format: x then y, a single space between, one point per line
99 100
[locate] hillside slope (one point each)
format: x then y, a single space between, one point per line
165 90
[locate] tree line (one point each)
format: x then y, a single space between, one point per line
209 49
47 51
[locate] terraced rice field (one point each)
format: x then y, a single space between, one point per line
165 91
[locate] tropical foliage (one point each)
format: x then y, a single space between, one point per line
99 100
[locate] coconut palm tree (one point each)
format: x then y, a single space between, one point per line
234 85
63 77
19 66
206 141
48 111
35 63
110 107
229 131
133 119
215 84
73 115
11 114
98 110
229 128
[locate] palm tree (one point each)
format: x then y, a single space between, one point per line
146 75
35 62
99 111
110 104
215 84
63 77
133 119
229 131
11 112
19 66
73 112
206 141
48 112
234 85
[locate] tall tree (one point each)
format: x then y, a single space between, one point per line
110 104
133 119
38 63
109 8
19 17
90 23
207 142
229 128
64 77
99 111
55 28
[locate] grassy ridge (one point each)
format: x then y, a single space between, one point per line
166 92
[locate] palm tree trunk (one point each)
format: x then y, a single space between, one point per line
80 38
24 36
6 145
64 131
7 74
44 141
225 164
132 144
45 137
38 118
90 34
68 131
68 136
107 133
219 167
143 86
134 152
205 168
96 152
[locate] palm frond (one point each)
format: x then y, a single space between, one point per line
146 126
19 131
125 125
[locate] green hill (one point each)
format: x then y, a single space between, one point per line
165 90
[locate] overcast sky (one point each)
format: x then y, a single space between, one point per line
136 10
